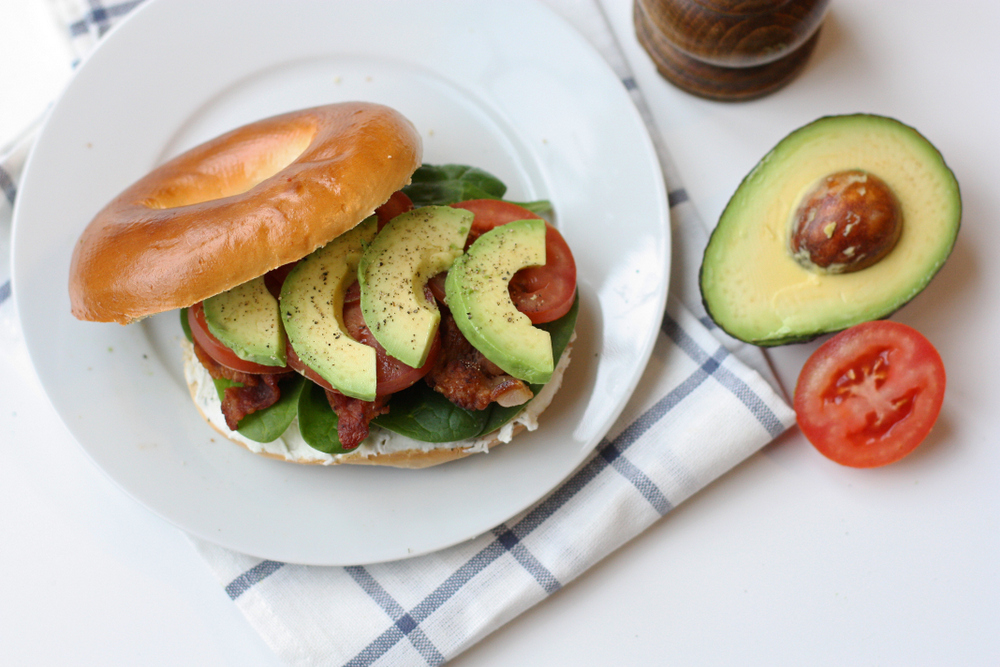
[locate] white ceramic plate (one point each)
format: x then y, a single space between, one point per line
505 86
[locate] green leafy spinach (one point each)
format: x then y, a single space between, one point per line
421 413
318 422
440 185
268 424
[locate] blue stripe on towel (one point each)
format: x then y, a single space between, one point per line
652 493
447 590
510 541
726 378
676 197
7 186
101 16
251 577
404 624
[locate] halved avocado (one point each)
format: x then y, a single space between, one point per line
759 290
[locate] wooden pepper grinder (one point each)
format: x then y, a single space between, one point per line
729 49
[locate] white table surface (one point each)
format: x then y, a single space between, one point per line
787 560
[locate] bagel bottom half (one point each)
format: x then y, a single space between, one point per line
381 447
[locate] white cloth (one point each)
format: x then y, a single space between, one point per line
700 409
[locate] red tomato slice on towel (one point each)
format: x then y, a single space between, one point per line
869 395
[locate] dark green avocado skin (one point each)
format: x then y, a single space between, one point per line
729 217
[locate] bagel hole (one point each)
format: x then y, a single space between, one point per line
243 164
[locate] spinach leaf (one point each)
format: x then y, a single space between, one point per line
268 424
318 422
423 414
222 384
441 185
540 207
560 332
186 326
449 183
562 329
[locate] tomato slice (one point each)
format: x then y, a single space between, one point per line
436 286
869 395
397 204
543 293
298 365
218 351
391 375
275 278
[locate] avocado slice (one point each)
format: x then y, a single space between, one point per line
761 286
410 250
312 309
476 291
246 319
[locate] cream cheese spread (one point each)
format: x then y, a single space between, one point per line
292 447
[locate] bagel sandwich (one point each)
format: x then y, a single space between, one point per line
341 301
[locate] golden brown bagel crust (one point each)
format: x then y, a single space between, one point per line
235 207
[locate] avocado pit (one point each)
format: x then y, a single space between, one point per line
847 222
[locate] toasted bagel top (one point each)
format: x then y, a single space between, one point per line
237 206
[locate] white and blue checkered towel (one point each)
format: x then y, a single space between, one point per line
700 409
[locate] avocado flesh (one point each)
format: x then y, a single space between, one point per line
752 286
246 319
476 291
312 309
410 250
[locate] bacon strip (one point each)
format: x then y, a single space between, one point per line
258 391
354 416
467 378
